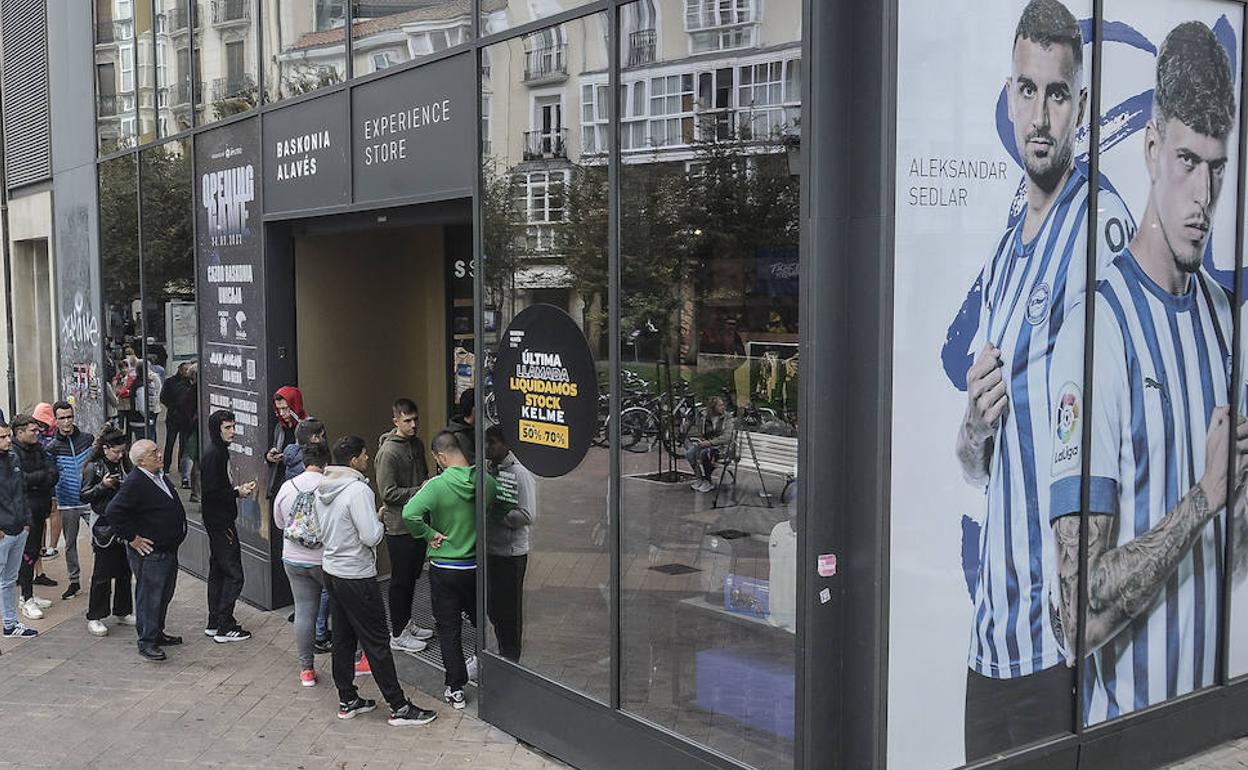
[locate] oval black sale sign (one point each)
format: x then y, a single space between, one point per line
546 388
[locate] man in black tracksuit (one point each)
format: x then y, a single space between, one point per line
40 474
220 510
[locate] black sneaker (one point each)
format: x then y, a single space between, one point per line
411 714
235 634
323 646
357 706
43 580
72 591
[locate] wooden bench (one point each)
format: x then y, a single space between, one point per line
774 455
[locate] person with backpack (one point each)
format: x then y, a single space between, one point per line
294 512
106 468
220 510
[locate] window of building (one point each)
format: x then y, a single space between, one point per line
720 25
595 118
545 54
542 196
304 52
125 58
769 97
485 123
671 110
409 29
633 114
640 33
385 60
226 41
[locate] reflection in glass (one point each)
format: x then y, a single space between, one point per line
502 15
305 46
114 75
545 241
226 76
709 344
119 283
172 57
169 311
389 33
145 48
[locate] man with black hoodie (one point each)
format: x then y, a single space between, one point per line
220 510
40 473
462 425
14 528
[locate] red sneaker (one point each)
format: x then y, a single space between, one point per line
362 668
307 678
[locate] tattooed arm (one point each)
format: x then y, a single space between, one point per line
987 402
1124 580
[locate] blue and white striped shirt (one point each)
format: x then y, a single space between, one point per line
1161 366
1028 291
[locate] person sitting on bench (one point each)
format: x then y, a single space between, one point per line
714 436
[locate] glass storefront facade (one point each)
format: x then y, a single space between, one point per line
644 170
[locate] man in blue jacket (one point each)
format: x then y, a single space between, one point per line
70 447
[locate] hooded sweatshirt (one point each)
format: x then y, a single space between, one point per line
448 502
40 473
219 498
14 510
401 469
284 433
350 529
465 435
284 505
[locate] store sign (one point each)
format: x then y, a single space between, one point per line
414 133
229 263
305 155
547 390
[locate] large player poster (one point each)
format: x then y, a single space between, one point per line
993 111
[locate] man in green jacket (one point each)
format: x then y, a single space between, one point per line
444 513
401 469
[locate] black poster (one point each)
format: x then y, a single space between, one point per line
231 302
305 155
414 134
547 390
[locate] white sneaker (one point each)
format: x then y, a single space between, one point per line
97 628
42 602
696 486
126 620
473 669
31 610
455 698
405 643
423 634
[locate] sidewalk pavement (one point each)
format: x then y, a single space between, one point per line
70 700
1229 756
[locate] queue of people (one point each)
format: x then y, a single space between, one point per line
322 502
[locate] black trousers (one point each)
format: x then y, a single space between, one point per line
30 555
225 578
504 601
155 578
360 618
453 593
407 560
1002 714
110 583
181 433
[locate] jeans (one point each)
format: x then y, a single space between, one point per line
453 593
306 584
155 577
505 601
11 549
30 555
225 578
407 559
360 618
322 615
71 517
175 431
702 460
110 583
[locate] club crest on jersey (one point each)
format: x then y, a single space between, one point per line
1038 304
1066 427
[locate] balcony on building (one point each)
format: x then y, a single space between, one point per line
642 48
179 19
180 93
238 87
546 64
113 31
230 12
546 145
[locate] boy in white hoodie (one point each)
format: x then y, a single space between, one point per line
351 528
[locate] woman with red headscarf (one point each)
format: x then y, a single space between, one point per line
288 406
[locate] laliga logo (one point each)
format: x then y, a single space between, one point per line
1067 417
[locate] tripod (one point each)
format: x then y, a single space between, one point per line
735 460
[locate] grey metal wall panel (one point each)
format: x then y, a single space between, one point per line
24 75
